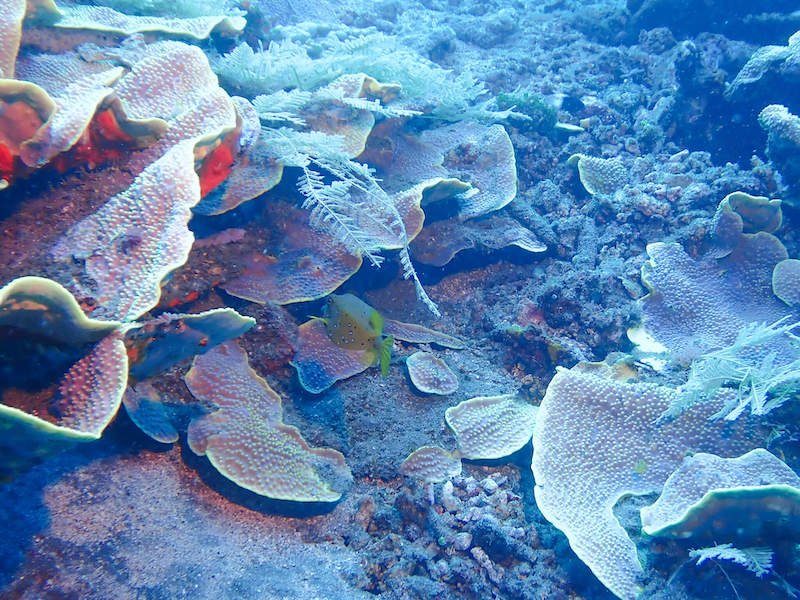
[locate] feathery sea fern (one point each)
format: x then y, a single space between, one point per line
282 107
762 366
344 198
302 59
756 560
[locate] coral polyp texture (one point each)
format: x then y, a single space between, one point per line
491 427
10 35
335 110
599 175
253 170
486 428
783 140
76 106
430 374
786 281
84 401
431 464
140 235
246 439
136 238
697 304
82 371
758 213
765 68
753 499
596 441
84 366
689 294
26 107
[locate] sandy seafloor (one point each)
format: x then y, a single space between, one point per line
126 517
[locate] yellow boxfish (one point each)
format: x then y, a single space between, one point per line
353 324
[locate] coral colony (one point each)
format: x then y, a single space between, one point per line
382 328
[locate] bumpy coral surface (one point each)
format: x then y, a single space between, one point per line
745 500
176 174
245 438
596 441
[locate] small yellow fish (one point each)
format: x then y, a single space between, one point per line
353 324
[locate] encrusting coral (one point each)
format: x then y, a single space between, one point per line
440 241
479 155
122 254
197 149
783 141
764 69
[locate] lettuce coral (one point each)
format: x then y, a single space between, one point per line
108 20
595 441
302 264
486 428
10 34
696 305
129 245
749 499
491 427
430 374
246 439
81 375
84 365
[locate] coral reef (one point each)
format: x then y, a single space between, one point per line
349 268
245 438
